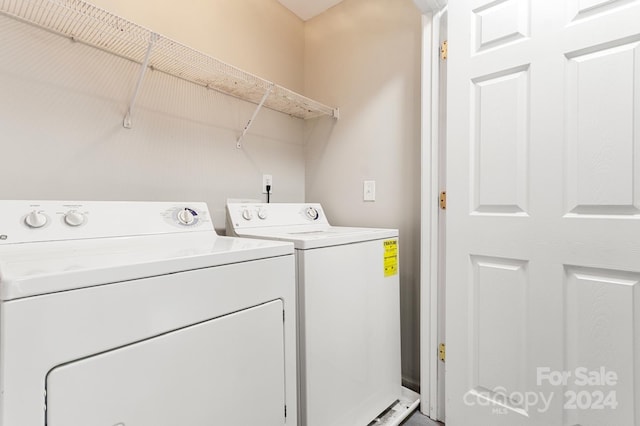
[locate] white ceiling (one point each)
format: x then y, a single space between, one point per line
307 9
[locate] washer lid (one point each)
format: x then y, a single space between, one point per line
304 224
48 267
310 237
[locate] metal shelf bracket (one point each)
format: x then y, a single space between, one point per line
127 123
255 113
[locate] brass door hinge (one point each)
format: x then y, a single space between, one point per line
442 352
443 200
444 50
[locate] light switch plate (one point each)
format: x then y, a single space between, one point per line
369 190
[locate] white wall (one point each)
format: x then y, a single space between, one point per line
258 36
63 104
364 56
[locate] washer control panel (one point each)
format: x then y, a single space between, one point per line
32 221
258 215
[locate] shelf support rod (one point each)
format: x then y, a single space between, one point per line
143 70
255 113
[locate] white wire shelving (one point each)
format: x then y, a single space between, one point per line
89 24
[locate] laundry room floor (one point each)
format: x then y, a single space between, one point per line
419 419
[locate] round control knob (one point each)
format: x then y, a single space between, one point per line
312 213
35 219
74 218
262 214
247 214
186 217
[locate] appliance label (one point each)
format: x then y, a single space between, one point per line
390 257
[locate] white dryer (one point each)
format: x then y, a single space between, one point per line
127 313
348 313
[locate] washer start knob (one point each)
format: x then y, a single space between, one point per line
35 219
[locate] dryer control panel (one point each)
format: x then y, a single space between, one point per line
37 221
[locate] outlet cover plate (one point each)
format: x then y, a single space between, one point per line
267 180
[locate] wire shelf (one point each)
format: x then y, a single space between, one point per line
94 26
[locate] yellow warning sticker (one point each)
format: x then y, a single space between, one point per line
390 257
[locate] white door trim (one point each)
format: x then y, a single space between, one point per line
430 312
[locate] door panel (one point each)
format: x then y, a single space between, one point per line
579 9
543 231
603 149
500 115
497 23
600 308
497 292
226 371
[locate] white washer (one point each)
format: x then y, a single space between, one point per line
125 313
348 313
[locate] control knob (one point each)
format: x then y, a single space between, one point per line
312 213
35 219
262 214
186 217
247 214
74 218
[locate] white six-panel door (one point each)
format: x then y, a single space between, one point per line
543 214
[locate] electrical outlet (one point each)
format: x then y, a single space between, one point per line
267 180
369 190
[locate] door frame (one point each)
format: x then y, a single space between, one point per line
431 262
